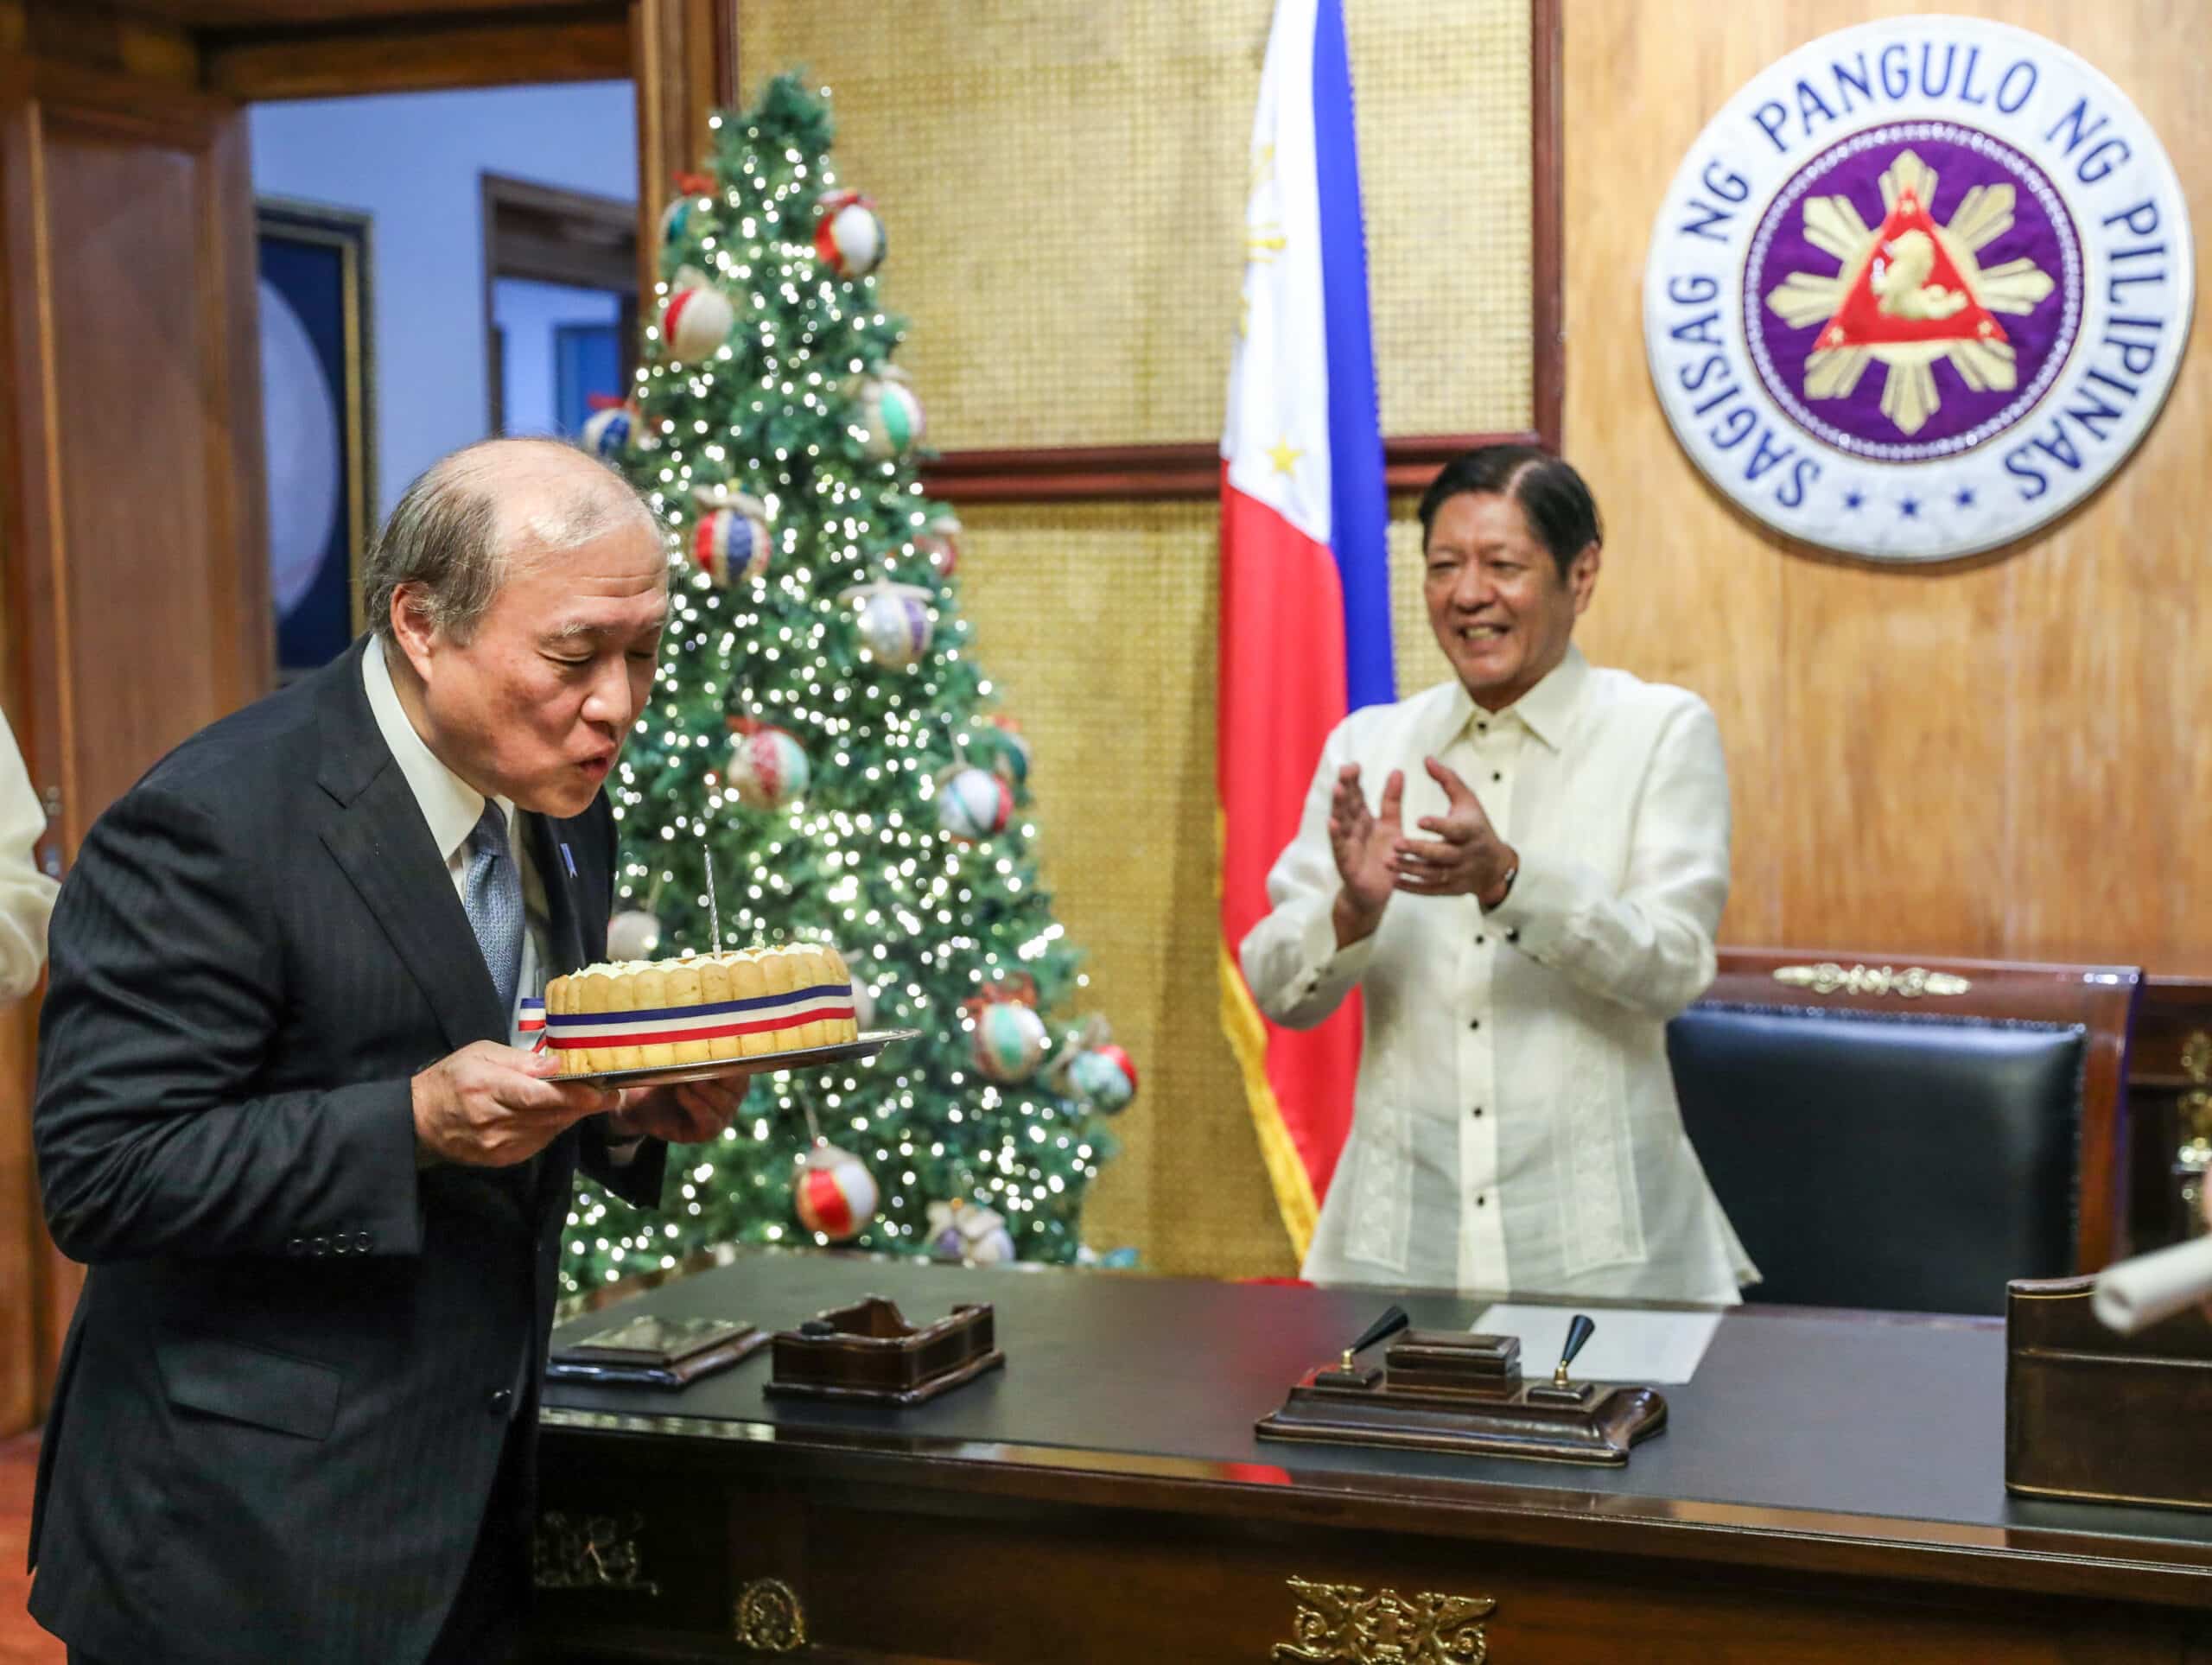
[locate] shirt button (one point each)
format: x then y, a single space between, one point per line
1479 1109
361 1241
1480 941
297 1246
1513 934
500 1398
1496 774
1474 1023
1482 1202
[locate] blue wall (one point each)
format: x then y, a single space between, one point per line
412 161
530 313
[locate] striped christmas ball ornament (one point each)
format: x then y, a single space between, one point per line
973 804
847 233
938 543
606 431
835 1194
1009 1040
896 625
889 416
1001 737
767 768
690 196
696 318
1105 1077
728 545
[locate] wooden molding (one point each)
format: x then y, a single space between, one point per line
684 61
1547 203
573 44
1142 473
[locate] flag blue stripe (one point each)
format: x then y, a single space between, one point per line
1359 507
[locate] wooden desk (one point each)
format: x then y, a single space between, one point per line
1829 1488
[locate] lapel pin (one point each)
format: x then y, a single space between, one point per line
568 856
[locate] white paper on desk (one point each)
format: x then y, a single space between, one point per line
1628 1345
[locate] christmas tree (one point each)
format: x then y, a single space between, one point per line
820 760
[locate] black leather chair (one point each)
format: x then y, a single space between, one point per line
1909 1140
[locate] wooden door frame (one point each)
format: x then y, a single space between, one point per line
551 235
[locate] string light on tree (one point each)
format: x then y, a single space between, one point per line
803 742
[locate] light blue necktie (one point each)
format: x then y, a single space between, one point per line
494 902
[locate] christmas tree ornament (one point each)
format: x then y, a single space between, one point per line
1009 1038
834 1194
969 1233
938 541
697 319
1094 1071
894 621
691 192
889 414
632 934
1002 739
767 768
606 431
972 804
847 233
732 539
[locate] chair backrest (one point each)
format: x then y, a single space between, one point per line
1909 1134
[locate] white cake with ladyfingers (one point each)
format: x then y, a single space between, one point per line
701 1008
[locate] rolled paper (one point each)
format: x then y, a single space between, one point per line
2134 1294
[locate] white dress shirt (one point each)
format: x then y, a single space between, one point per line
1514 1126
453 807
26 894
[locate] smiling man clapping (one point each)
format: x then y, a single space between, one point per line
1521 870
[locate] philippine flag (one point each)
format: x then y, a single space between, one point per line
1305 579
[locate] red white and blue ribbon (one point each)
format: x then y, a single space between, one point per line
529 1023
667 1026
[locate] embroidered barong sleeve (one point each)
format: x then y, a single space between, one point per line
1648 944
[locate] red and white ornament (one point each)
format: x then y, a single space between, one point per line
632 934
834 1194
889 414
939 541
696 318
847 233
972 804
767 768
732 539
895 624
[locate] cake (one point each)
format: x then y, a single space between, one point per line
653 1014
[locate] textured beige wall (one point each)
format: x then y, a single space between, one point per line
1062 182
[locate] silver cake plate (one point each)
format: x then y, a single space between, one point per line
805 1057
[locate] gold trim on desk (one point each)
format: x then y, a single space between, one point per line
768 1619
1342 1625
1910 984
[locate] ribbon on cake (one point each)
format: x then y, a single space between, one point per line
667 1024
529 1023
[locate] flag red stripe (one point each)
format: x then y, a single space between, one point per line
1281 692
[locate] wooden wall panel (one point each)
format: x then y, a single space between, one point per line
2003 757
131 497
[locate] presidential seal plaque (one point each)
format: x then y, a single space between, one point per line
1918 289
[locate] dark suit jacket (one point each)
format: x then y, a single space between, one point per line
283 1400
